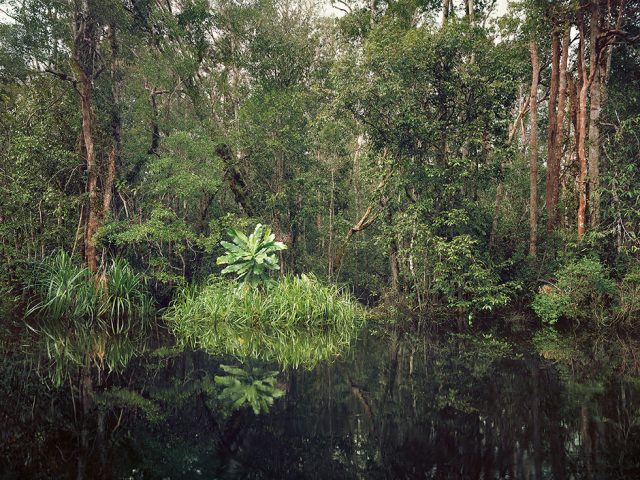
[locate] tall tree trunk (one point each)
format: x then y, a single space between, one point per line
552 136
594 121
562 98
446 8
91 226
86 402
84 57
533 146
394 266
587 444
238 186
536 422
582 128
470 10
155 129
116 123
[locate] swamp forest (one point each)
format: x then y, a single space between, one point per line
320 239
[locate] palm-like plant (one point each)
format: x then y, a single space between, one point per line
251 258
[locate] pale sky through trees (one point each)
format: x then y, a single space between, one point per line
500 8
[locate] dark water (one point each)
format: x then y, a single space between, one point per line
456 407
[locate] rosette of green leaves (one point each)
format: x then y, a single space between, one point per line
251 258
253 387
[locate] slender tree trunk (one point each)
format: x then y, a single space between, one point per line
394 266
533 146
101 443
155 129
86 401
581 132
238 186
552 136
116 123
84 58
331 210
496 211
536 422
469 10
594 121
446 8
91 226
562 98
587 444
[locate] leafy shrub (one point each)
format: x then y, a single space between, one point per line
628 308
583 292
464 280
296 321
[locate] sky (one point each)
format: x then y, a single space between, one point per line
500 9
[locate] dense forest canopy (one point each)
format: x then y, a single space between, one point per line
447 163
423 149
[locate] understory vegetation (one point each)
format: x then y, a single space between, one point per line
296 321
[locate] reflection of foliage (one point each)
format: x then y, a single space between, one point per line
87 317
552 346
251 258
252 387
125 398
297 321
481 353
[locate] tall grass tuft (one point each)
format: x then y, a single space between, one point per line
297 321
82 317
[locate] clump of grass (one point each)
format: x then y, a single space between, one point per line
297 321
85 317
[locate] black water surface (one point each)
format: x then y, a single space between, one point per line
456 407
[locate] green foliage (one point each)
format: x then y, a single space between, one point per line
296 321
465 280
251 258
583 292
555 347
253 387
82 317
628 308
118 397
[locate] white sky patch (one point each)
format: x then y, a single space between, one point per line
499 9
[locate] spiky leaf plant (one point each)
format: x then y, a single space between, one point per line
251 258
88 319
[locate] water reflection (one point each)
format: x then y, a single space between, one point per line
455 407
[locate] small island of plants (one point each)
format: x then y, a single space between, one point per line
294 321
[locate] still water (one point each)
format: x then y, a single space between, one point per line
452 407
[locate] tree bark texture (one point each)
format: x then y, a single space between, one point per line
533 147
